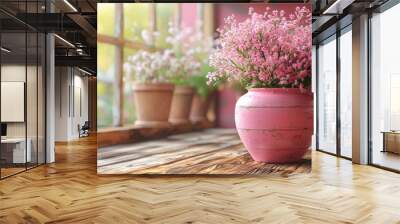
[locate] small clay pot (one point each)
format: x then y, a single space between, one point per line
153 104
181 104
198 112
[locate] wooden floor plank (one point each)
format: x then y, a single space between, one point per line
212 151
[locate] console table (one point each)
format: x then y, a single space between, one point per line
13 150
391 141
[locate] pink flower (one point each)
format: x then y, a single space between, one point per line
266 50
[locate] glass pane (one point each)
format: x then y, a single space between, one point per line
129 108
327 96
346 94
106 19
314 90
386 89
14 153
107 96
165 14
136 18
32 99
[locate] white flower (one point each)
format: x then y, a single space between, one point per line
147 37
169 40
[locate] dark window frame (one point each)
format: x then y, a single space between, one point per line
333 37
30 30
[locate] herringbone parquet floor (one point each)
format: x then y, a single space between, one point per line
69 191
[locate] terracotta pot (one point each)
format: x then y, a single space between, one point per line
153 104
181 104
198 112
275 124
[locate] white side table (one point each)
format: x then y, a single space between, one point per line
18 154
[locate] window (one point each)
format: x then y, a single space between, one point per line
314 90
346 93
334 106
327 95
119 35
129 109
106 17
136 19
385 88
22 107
164 16
107 107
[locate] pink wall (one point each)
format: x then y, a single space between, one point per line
226 98
240 10
188 14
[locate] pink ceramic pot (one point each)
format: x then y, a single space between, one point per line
275 124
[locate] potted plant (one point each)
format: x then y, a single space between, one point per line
183 66
201 98
270 55
201 48
150 73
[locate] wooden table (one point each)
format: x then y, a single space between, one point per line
212 151
391 141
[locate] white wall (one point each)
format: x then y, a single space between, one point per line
12 73
61 103
80 109
34 125
71 102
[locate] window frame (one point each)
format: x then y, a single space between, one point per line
120 43
334 37
381 9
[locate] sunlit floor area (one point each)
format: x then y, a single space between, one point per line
386 159
70 191
214 151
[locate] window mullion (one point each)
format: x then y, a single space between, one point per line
119 62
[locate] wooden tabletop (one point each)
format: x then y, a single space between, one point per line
212 151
